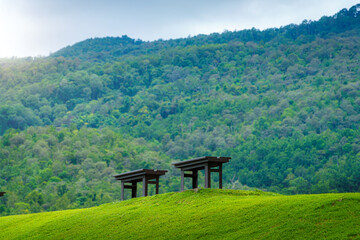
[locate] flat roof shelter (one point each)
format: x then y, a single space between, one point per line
141 175
2 194
194 165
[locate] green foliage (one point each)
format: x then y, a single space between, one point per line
45 169
201 214
283 103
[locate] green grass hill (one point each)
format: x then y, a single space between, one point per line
204 214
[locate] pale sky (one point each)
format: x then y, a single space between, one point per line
39 27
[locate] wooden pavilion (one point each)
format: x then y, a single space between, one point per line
146 176
209 164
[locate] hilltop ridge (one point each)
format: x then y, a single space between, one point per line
101 49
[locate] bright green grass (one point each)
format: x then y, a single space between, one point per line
205 214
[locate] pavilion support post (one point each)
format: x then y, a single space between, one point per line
195 179
208 163
207 176
145 187
182 179
220 176
157 185
122 190
131 179
134 189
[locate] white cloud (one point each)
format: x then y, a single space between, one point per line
37 27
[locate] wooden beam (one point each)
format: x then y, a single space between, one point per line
182 180
145 187
157 186
139 173
202 160
122 190
192 167
134 189
207 177
220 176
188 175
195 179
134 178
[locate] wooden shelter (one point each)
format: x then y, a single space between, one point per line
146 176
194 165
2 194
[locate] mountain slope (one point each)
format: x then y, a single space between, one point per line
204 214
283 103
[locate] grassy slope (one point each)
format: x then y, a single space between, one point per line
204 214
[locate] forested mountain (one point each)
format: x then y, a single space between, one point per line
283 103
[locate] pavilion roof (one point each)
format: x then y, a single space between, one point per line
138 174
201 160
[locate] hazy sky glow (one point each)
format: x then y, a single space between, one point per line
38 27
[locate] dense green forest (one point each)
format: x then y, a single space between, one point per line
283 103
